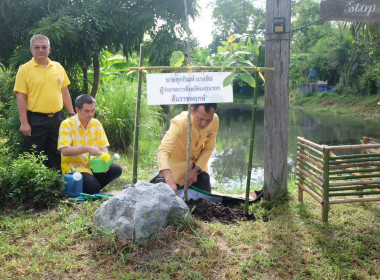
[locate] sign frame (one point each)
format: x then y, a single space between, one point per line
188 88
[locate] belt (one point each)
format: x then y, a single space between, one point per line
49 115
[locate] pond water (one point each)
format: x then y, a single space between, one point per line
229 162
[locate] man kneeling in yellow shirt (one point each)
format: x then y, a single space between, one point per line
83 135
172 153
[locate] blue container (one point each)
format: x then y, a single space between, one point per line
74 184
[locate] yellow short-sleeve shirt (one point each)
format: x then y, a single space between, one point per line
72 133
43 86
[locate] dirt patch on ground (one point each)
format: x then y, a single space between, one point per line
213 212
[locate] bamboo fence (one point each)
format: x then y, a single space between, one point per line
338 174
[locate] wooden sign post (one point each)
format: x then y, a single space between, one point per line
276 113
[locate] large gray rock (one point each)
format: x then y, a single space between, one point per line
140 210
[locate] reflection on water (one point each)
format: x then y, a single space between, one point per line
229 162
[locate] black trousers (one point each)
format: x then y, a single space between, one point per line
203 181
44 137
94 183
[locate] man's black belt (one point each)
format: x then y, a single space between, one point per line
49 115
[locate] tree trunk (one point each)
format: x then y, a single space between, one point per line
85 80
96 65
276 115
346 75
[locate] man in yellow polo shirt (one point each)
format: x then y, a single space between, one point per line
172 153
81 136
41 92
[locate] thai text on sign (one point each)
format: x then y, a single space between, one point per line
188 88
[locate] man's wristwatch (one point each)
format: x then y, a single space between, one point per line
71 114
197 169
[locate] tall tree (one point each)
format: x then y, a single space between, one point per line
345 58
306 29
15 18
236 17
365 76
313 44
80 30
369 31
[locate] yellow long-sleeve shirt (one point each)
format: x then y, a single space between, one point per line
172 152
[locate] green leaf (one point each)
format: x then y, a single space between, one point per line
234 46
119 66
249 42
177 59
241 52
229 79
131 72
246 77
258 50
115 58
248 63
228 62
221 49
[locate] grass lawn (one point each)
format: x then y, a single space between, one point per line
331 102
287 241
62 243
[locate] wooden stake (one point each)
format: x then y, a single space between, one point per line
252 140
186 188
137 119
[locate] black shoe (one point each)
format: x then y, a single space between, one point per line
158 179
259 194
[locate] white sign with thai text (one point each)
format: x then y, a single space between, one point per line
188 88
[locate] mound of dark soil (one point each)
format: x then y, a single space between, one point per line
213 212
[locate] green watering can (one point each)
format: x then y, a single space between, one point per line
98 165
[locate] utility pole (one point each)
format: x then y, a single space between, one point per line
276 116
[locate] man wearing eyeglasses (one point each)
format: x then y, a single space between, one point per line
172 153
41 92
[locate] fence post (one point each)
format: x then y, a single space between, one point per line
326 168
298 177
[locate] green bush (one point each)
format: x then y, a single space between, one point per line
6 90
9 118
369 82
10 131
116 102
26 182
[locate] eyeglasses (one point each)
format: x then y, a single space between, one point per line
44 48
